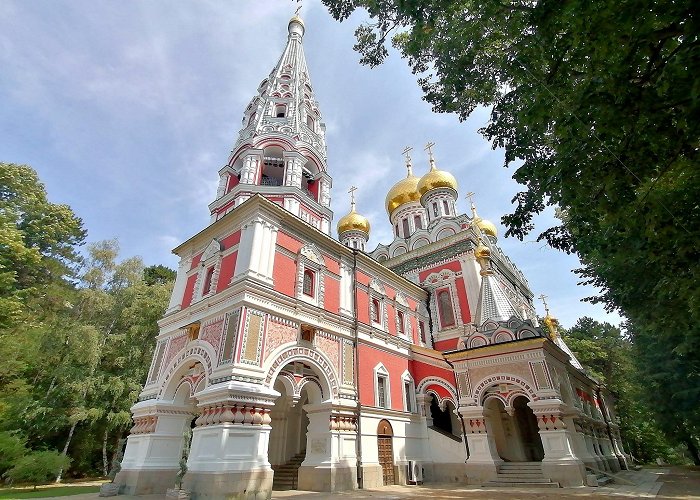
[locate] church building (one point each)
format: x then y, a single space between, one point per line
293 359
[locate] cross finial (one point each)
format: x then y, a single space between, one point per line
429 149
543 298
470 197
407 153
352 198
296 12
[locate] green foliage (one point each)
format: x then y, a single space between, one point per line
12 448
37 467
61 491
598 106
158 275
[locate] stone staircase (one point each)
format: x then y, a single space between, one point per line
286 474
521 474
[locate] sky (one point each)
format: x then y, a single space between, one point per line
127 110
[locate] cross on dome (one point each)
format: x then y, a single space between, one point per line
543 298
407 152
352 198
429 149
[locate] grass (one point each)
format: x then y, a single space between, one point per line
59 491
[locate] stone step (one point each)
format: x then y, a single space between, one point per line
521 465
520 476
532 480
499 484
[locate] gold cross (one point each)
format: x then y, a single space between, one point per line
296 12
469 196
407 153
543 298
352 195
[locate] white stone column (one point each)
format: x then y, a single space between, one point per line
559 463
179 287
251 166
346 295
223 182
483 461
325 192
256 251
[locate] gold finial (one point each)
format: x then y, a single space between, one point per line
407 153
429 149
549 321
470 196
352 198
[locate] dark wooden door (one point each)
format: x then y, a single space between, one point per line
386 458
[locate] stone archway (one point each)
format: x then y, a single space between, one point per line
514 430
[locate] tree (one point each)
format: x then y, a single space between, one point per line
598 103
37 467
12 448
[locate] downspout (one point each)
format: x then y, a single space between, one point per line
358 441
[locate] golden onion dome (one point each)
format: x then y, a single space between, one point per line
353 222
487 227
436 179
404 191
482 251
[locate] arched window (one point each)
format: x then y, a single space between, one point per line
207 281
251 119
417 222
435 209
444 302
280 111
446 207
308 285
375 310
400 321
406 231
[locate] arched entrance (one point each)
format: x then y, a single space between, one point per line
385 450
299 387
514 429
446 419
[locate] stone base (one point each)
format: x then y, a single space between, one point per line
566 472
447 473
240 485
479 473
145 482
177 494
319 478
372 476
109 489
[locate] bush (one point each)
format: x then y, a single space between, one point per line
37 467
12 448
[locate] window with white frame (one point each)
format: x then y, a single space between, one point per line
310 266
208 274
421 331
382 391
445 308
409 393
376 311
400 322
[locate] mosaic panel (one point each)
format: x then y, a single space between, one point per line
279 331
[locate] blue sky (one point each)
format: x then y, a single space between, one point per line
128 109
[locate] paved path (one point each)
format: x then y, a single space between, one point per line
674 483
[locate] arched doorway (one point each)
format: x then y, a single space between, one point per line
298 386
514 429
446 419
385 450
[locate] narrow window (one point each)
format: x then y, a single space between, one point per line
207 281
375 310
445 207
397 229
251 119
310 122
407 391
406 232
435 209
421 330
399 316
280 110
418 222
308 284
447 317
381 391
307 333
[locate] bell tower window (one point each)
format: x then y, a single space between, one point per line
207 281
310 122
418 222
446 207
444 301
406 231
280 110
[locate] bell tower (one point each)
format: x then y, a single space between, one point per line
280 152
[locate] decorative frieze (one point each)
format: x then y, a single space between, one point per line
252 337
144 425
343 423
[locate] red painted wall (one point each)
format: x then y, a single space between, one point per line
228 264
463 302
189 291
420 371
331 300
446 345
395 365
452 266
284 274
231 240
332 265
195 260
362 307
232 183
286 241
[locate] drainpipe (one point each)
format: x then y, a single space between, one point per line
358 441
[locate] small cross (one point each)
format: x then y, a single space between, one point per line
429 148
407 153
352 196
543 298
296 12
469 196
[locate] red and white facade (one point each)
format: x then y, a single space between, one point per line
420 361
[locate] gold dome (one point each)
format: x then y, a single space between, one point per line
353 222
436 179
482 251
487 227
404 191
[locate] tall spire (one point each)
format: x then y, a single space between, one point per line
493 303
286 103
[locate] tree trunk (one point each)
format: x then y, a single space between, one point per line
105 460
692 449
65 448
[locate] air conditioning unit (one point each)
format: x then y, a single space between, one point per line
415 472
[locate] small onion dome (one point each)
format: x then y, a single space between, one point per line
487 227
353 222
404 191
482 251
436 179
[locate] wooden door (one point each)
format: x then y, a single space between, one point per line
386 458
